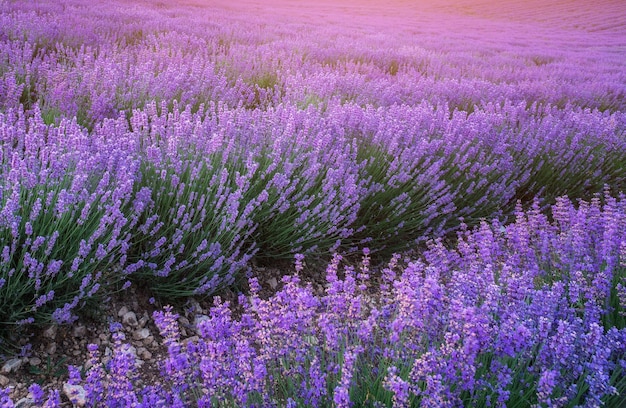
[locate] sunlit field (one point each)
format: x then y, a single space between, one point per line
453 172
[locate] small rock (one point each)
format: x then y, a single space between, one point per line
13 364
144 320
130 319
51 349
34 361
79 331
273 283
144 354
130 351
4 381
50 332
141 334
184 321
122 311
27 402
148 340
199 319
75 393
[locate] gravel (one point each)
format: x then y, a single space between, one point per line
55 347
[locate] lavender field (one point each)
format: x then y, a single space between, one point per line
459 167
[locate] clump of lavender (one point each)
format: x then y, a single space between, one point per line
311 186
60 220
425 167
512 315
193 225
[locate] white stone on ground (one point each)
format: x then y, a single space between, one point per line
75 393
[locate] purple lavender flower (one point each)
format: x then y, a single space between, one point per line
5 400
398 387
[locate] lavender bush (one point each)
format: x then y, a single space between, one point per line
425 168
60 219
310 183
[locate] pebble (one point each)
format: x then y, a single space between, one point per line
148 340
122 311
141 334
51 349
199 319
75 393
34 361
130 319
27 402
79 331
4 381
144 320
129 350
13 364
50 332
144 354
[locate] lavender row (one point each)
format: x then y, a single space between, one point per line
183 200
524 314
53 54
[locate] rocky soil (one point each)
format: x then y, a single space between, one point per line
53 348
